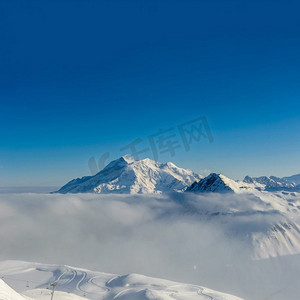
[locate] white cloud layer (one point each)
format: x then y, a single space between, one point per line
170 236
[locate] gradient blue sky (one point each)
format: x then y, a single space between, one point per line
81 78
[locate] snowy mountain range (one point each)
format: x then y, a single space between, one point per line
219 183
27 281
275 183
294 178
128 176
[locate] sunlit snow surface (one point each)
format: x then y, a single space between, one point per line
33 280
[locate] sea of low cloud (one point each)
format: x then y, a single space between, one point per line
182 237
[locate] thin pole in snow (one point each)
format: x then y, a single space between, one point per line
54 284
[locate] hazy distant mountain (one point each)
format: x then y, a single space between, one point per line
125 175
271 181
294 178
275 183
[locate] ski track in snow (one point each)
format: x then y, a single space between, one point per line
200 292
97 285
104 289
80 281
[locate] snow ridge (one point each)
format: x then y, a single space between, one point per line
219 183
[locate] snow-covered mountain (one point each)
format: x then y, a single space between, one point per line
293 179
33 280
129 176
219 183
272 182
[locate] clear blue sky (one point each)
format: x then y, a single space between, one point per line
81 78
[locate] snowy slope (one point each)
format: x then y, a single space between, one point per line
7 293
34 280
125 175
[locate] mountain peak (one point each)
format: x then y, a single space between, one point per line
128 158
126 175
219 183
214 183
248 179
